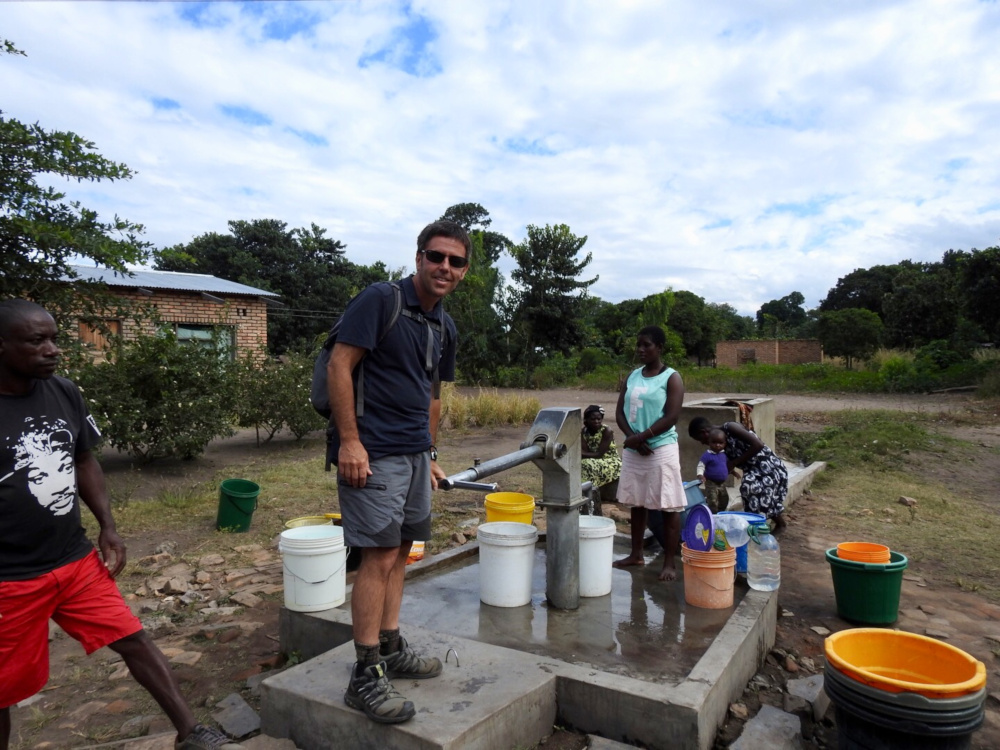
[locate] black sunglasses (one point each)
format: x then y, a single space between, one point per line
455 261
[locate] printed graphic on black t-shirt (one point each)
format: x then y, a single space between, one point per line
44 451
41 436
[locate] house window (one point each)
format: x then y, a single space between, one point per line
746 356
204 335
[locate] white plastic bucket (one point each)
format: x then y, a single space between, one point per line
315 567
597 541
506 560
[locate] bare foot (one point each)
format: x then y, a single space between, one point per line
778 524
669 573
627 562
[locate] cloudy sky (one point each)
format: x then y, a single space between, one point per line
739 149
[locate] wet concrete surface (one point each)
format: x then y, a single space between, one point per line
643 629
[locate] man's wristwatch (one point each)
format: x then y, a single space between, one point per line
434 453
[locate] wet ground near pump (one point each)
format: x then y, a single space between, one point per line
643 629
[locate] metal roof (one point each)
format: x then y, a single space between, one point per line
173 280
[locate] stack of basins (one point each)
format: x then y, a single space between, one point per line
867 579
901 691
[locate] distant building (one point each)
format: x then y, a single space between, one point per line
768 352
197 307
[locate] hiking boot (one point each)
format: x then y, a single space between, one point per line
406 663
206 738
370 691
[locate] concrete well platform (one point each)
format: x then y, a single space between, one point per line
502 697
667 683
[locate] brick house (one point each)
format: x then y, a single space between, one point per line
197 306
768 352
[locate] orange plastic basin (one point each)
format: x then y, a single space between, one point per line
865 552
900 662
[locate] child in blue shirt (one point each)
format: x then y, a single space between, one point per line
713 471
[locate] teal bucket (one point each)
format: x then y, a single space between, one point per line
237 502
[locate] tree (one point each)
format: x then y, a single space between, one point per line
615 326
732 325
780 317
697 324
980 285
921 308
851 333
546 311
42 232
307 268
865 288
474 305
474 218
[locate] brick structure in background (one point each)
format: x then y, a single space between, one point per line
189 302
768 352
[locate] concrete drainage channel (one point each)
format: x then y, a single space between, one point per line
492 696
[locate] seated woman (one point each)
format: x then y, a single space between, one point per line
601 463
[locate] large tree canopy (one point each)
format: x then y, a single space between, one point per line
42 231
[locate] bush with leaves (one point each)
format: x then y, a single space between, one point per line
158 397
274 394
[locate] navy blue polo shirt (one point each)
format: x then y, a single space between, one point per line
397 392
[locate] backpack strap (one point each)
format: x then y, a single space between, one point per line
397 308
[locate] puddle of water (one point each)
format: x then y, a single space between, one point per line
643 629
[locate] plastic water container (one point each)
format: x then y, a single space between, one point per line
763 560
735 528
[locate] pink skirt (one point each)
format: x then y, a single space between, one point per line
652 482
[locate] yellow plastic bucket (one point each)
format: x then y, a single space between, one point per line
308 521
899 662
708 577
514 507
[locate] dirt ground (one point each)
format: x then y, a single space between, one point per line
87 702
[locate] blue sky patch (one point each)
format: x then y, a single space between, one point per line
282 21
788 118
812 207
523 146
311 138
719 224
408 48
245 115
201 15
163 103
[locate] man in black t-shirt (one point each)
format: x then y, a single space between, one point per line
386 459
48 568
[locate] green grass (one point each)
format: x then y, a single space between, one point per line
874 457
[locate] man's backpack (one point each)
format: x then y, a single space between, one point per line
320 394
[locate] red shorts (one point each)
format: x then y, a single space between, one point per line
81 597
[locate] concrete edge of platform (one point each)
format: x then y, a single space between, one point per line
802 481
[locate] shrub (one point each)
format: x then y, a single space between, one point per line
592 358
156 397
274 394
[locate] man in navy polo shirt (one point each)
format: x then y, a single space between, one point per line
386 460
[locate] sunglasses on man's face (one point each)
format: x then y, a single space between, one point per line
435 256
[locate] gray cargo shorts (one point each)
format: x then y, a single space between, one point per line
393 506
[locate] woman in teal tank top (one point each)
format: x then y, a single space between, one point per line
648 408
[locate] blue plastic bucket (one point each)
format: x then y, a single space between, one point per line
741 551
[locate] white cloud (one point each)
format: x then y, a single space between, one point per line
740 150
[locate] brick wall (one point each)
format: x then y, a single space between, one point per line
799 351
768 352
246 315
